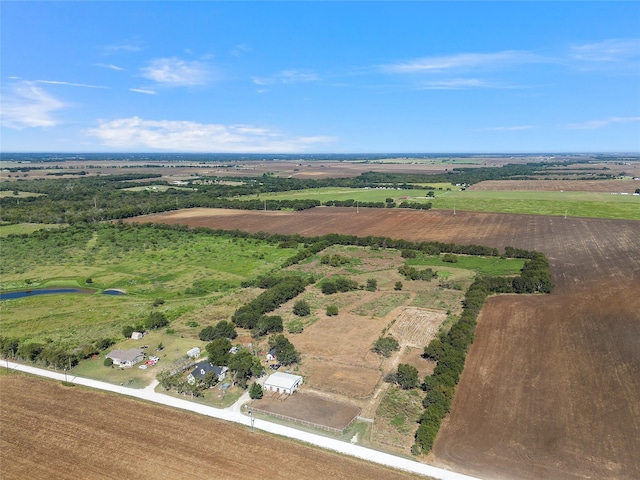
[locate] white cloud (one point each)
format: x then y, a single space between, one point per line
110 66
27 105
56 82
185 136
176 72
144 90
240 49
592 124
460 61
288 76
612 50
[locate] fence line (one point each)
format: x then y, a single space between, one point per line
304 422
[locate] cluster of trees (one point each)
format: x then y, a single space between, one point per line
406 377
283 289
412 273
535 277
284 349
416 205
154 321
50 354
334 260
339 284
222 329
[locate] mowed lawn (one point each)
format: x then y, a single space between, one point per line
572 204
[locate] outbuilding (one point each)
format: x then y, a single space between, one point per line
282 383
193 353
137 335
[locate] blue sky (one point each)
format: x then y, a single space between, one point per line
289 77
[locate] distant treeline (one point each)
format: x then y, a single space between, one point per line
104 197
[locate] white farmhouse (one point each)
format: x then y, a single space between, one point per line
282 383
126 358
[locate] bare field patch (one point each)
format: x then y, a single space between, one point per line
307 408
355 381
100 435
416 327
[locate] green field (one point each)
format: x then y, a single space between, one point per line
573 204
188 271
23 228
359 194
492 266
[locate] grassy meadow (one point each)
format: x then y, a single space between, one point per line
359 194
573 204
188 271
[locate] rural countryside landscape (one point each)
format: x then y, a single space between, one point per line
374 280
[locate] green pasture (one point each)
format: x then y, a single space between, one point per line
9 193
358 194
188 271
23 228
573 204
492 266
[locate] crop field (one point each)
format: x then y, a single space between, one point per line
125 438
550 388
589 186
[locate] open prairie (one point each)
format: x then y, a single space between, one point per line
551 386
125 438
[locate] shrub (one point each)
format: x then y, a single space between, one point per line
398 286
372 285
295 326
332 310
301 308
108 362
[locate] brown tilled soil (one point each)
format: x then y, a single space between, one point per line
551 388
616 186
50 431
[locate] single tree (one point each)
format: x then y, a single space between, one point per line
256 392
385 345
398 286
332 310
218 350
407 376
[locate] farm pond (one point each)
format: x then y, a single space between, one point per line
54 291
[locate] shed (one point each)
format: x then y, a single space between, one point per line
136 335
271 355
282 383
194 352
126 358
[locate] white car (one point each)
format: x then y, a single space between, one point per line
143 367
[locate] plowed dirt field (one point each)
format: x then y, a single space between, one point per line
50 431
551 388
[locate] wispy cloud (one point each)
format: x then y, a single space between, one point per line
110 66
515 128
69 84
24 104
593 124
288 76
460 62
170 135
240 49
458 84
612 50
144 90
176 72
120 47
